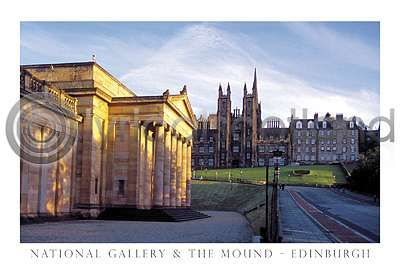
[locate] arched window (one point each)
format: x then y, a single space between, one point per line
310 124
324 124
351 124
299 124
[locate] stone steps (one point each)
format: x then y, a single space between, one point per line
133 214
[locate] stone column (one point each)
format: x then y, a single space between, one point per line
133 148
174 142
183 181
179 172
159 167
189 175
110 162
167 167
148 170
141 167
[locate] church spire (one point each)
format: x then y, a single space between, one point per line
228 90
220 90
255 82
245 89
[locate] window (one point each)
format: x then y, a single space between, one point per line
248 156
322 148
328 132
298 158
298 150
324 124
307 141
261 148
344 149
334 148
328 142
248 144
211 162
96 186
201 161
351 124
211 139
236 137
353 149
201 149
307 157
322 142
352 140
235 148
201 139
334 141
353 132
322 132
261 161
328 148
322 158
307 149
298 141
299 124
353 158
312 141
344 141
121 187
313 149
298 134
312 157
211 149
310 124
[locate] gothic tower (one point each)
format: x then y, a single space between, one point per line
251 125
224 119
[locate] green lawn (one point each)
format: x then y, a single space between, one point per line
319 174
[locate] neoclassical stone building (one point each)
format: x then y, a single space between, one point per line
129 150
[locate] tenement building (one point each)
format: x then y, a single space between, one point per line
238 139
89 142
327 140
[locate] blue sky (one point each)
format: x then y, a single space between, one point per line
320 66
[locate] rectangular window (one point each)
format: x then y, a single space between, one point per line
261 161
299 150
322 148
298 141
344 141
211 162
248 144
236 137
328 148
202 139
248 156
313 157
334 141
313 149
261 148
344 149
211 139
353 158
312 141
298 134
121 187
333 148
201 149
352 140
235 148
96 186
211 149
307 149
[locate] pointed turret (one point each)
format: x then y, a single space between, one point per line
245 89
228 90
220 90
255 82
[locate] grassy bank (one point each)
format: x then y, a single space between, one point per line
319 174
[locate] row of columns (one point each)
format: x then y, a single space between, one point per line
164 168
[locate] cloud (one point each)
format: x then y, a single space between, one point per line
202 56
345 48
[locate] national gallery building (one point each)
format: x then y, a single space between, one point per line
88 142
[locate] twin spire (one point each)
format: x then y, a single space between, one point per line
254 89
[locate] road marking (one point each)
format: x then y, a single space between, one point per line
339 231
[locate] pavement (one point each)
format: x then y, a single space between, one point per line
220 227
311 215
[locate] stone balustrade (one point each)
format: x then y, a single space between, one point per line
30 84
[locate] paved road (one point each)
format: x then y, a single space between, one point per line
220 227
322 215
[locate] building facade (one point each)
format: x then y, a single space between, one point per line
129 150
324 141
237 139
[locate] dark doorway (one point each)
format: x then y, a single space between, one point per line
235 163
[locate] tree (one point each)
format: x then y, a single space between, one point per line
366 176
